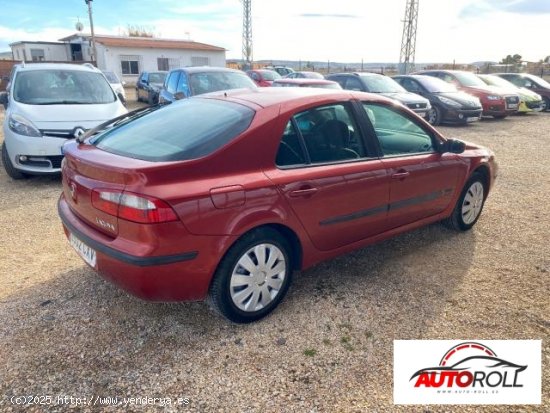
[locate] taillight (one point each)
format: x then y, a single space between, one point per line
132 207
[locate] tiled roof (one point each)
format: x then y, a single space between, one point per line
153 43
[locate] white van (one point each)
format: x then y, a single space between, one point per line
46 104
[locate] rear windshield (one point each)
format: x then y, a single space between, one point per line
187 129
62 87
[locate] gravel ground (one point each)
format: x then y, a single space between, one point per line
328 348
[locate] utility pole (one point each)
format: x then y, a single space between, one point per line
408 40
94 51
247 34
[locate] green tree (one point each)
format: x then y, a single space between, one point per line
512 60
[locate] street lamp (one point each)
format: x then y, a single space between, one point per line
94 51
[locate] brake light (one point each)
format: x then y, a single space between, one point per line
133 207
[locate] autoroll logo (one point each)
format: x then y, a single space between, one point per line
468 372
470 365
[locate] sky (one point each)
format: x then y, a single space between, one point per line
318 30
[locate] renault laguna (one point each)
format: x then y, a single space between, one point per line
223 196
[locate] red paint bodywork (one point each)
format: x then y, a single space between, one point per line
220 197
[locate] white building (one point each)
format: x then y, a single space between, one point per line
126 56
40 51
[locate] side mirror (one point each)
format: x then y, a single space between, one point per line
4 99
454 146
179 95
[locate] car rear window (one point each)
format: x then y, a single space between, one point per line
187 129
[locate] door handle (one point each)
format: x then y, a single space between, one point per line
303 192
401 174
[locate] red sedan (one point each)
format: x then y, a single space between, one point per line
263 77
223 196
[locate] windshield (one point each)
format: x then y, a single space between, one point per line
187 129
469 79
538 80
382 84
435 85
270 75
207 82
111 77
58 87
157 77
497 81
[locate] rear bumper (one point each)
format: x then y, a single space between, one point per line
176 277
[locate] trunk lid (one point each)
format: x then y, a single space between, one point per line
86 169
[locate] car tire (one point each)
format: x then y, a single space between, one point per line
469 205
150 99
545 104
244 295
434 116
499 116
8 166
137 95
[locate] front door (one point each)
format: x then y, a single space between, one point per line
337 190
423 180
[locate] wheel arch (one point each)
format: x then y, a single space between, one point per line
485 173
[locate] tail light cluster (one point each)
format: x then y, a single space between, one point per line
133 207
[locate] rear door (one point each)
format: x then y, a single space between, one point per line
338 190
423 180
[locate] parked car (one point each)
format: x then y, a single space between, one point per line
47 104
224 196
531 82
304 75
448 105
116 84
263 77
192 81
302 82
529 101
384 85
282 70
495 103
148 86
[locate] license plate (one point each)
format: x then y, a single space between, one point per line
86 253
512 106
473 119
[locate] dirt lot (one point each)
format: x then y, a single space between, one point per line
328 348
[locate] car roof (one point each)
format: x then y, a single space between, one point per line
55 66
272 96
306 81
202 69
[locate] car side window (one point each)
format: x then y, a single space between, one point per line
183 85
352 83
330 134
411 85
172 82
397 134
290 150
